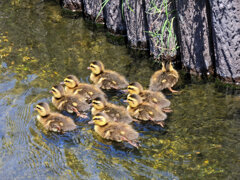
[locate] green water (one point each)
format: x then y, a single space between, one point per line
39 47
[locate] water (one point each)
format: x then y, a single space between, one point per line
39 47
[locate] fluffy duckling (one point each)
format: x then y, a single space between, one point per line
144 111
167 77
152 97
116 113
116 131
73 86
53 121
69 103
106 79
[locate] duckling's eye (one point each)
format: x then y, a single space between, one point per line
92 66
129 100
53 90
66 81
94 102
95 119
130 88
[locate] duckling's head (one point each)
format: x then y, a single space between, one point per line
99 102
134 100
100 119
57 91
71 81
134 88
42 108
96 67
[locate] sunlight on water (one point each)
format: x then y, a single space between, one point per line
39 47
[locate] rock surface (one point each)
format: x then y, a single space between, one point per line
193 28
92 8
226 38
73 5
113 17
136 24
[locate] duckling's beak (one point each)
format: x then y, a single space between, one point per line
50 92
125 100
88 68
90 122
62 83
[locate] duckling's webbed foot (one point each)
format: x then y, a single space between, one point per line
173 91
78 113
130 142
161 123
167 110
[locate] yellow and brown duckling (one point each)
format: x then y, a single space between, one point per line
116 131
144 111
106 79
164 78
53 121
88 91
156 98
69 103
115 112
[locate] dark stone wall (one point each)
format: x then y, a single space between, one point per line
193 29
136 24
225 20
208 31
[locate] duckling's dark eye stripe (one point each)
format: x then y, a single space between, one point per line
38 107
94 102
66 81
92 66
97 119
53 90
129 99
130 88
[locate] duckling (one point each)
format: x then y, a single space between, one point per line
73 86
69 103
53 121
167 77
115 112
106 79
116 131
156 98
144 111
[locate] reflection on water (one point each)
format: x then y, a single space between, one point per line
39 47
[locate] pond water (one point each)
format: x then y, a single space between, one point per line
39 46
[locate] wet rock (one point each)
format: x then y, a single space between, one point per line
155 21
92 9
73 5
193 33
136 24
113 17
226 38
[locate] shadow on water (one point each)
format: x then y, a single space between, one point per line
39 47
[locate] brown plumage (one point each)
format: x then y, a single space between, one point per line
152 97
167 77
116 131
74 87
115 112
106 79
53 121
144 111
69 103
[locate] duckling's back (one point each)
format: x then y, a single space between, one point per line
112 80
156 98
58 123
163 79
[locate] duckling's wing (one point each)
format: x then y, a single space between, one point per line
113 80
